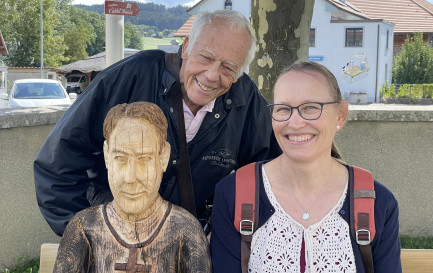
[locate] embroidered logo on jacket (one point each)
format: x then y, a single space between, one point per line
222 158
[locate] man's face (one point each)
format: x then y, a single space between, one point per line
213 63
135 166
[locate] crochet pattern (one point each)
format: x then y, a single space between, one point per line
276 246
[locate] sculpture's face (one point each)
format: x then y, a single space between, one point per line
135 163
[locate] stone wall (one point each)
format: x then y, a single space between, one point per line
395 142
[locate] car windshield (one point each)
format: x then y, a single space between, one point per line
38 91
74 79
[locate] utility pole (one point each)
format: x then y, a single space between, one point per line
114 41
42 44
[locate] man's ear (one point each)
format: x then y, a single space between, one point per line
165 156
106 153
342 113
184 47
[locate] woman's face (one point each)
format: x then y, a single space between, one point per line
300 139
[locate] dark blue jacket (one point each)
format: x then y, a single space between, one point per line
226 241
237 132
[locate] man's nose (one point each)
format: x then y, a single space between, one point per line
131 171
213 71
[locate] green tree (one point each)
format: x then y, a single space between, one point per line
77 43
84 32
132 37
414 63
54 46
18 20
20 23
96 25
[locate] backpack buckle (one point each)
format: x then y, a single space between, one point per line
246 227
363 237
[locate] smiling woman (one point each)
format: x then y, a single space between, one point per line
296 232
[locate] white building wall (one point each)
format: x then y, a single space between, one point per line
243 6
385 56
354 67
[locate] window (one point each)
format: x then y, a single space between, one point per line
387 38
354 37
386 73
312 42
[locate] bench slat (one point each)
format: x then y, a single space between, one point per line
417 260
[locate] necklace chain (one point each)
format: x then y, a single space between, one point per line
306 214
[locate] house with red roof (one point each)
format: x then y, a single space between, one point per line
409 17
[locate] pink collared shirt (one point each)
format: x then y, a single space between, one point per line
193 123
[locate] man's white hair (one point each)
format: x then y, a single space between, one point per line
235 20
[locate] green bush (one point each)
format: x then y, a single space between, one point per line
24 265
428 91
387 90
403 91
416 91
414 63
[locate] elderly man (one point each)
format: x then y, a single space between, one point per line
220 122
138 231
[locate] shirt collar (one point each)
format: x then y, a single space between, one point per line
208 107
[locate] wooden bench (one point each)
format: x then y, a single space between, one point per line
48 257
417 260
412 260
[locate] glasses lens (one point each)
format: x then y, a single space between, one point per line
281 112
310 111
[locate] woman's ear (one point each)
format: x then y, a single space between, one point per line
343 111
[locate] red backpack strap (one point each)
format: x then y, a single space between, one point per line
247 208
362 197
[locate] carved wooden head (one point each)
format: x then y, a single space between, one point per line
136 156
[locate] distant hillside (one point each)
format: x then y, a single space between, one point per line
151 14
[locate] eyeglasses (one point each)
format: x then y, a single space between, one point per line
308 111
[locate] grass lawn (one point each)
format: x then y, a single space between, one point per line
152 43
416 242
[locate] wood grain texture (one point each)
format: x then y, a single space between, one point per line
88 245
48 257
417 260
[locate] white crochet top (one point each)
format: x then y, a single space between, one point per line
276 246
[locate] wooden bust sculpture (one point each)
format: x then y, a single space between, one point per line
138 231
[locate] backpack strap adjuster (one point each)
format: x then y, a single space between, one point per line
246 227
363 237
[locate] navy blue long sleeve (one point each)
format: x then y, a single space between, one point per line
226 241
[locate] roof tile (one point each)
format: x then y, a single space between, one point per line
407 15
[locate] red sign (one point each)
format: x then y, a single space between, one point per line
121 8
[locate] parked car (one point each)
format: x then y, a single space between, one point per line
76 83
39 92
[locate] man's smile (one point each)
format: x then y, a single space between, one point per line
204 87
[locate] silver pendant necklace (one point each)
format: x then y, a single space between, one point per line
306 214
